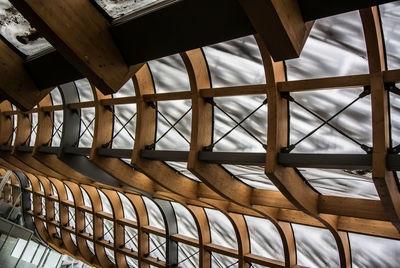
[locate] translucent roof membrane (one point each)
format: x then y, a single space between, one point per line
251 175
119 8
346 183
395 117
188 256
84 90
185 220
348 125
180 167
58 119
90 246
370 251
240 123
129 211
335 47
56 97
390 14
235 63
126 90
108 230
124 126
18 31
315 247
221 229
105 203
86 199
264 238
110 254
174 119
219 261
132 263
155 217
87 127
157 247
169 74
131 238
69 193
34 128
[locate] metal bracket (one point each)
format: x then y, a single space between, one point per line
366 148
151 104
208 148
286 95
150 147
366 91
288 149
209 100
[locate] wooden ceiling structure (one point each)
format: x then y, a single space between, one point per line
74 28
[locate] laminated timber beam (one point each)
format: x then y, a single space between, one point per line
384 180
16 84
286 179
80 33
280 26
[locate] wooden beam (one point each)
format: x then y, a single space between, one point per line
15 83
80 33
286 179
384 180
280 26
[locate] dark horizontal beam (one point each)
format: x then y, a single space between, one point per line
118 153
316 9
329 161
49 150
232 158
26 149
77 151
6 148
177 156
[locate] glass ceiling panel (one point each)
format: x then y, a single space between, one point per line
86 199
18 31
105 203
69 193
240 123
222 261
87 127
395 117
235 63
370 251
129 211
84 90
124 126
221 229
58 119
155 217
346 183
188 256
315 247
185 220
180 167
390 14
169 74
56 97
335 47
127 90
119 8
174 119
34 128
264 238
331 121
251 175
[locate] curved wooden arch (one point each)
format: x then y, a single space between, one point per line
97 226
80 222
384 180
